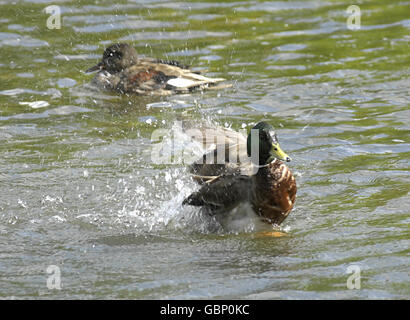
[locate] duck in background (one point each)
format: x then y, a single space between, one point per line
121 70
263 181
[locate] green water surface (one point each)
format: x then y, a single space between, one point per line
79 190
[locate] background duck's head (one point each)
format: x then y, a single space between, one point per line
263 145
116 58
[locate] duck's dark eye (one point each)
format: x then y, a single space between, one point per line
114 54
276 149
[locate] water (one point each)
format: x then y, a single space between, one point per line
79 189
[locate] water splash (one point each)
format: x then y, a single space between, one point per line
157 203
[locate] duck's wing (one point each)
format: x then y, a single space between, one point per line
223 193
209 134
174 63
142 79
223 160
180 78
229 155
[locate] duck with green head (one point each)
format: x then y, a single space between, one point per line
264 181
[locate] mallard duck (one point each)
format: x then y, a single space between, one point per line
263 180
123 71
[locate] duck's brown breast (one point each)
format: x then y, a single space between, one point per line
274 192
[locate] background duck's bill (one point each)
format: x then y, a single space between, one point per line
97 67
